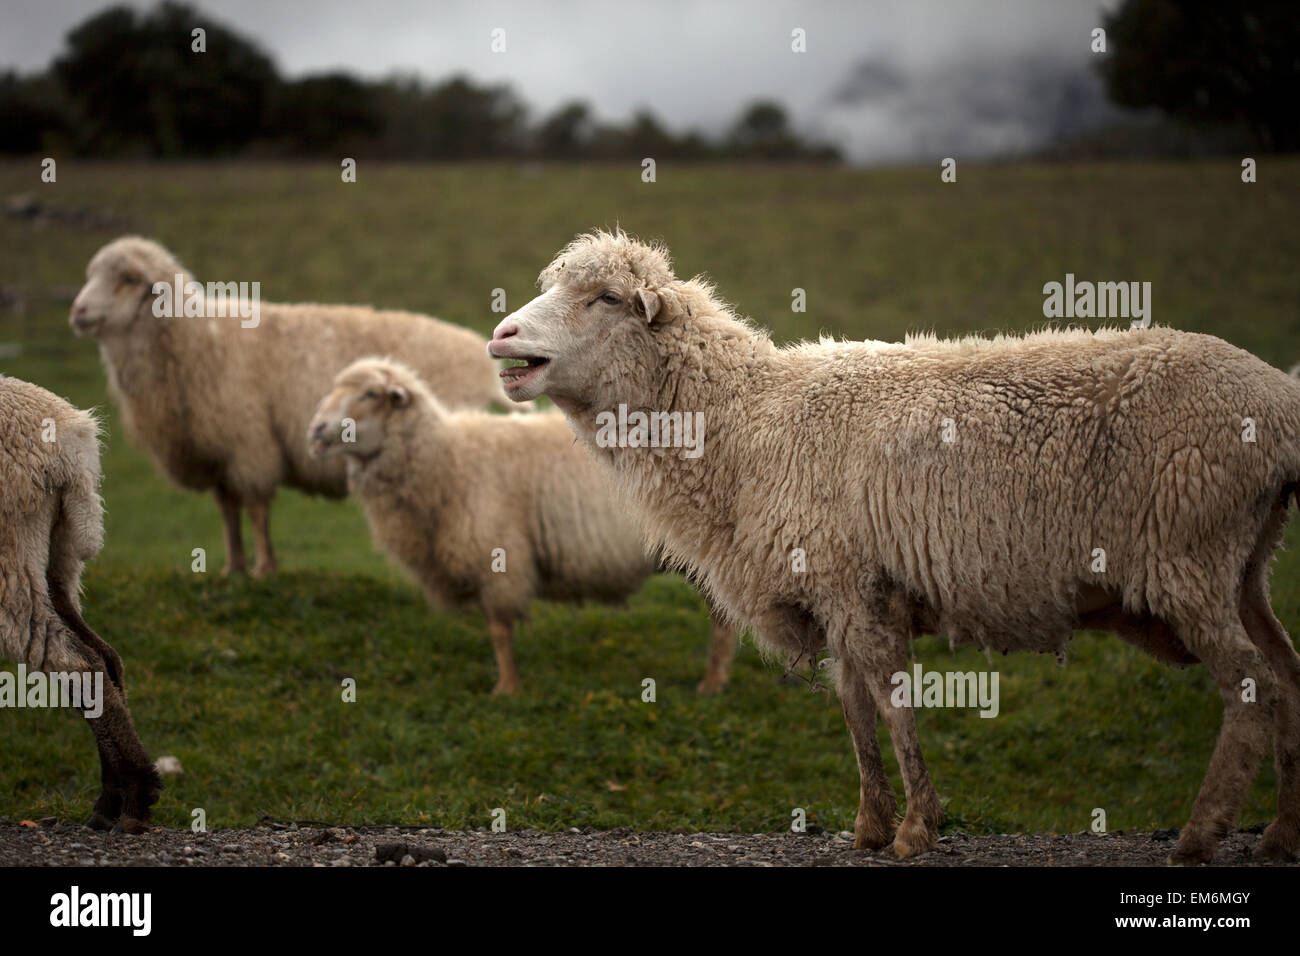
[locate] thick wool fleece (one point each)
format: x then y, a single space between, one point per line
51 521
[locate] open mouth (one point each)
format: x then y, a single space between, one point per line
522 369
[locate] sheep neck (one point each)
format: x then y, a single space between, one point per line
688 500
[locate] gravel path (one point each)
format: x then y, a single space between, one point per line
59 844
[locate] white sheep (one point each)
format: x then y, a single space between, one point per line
485 510
851 495
52 522
221 402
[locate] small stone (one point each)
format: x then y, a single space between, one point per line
408 860
456 862
48 821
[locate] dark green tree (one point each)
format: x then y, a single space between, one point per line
1236 61
139 86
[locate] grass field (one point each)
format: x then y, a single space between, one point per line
241 679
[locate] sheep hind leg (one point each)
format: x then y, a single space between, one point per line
130 784
875 825
722 651
259 512
503 646
236 563
126 767
1231 658
1281 840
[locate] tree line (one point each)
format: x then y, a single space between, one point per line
130 83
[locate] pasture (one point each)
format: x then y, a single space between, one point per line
241 679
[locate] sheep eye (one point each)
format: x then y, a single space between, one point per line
372 393
610 298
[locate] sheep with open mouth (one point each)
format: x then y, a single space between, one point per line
485 510
1004 492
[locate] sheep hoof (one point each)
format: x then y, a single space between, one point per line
1278 845
872 839
710 688
98 821
231 572
131 825
913 839
1192 851
263 570
506 689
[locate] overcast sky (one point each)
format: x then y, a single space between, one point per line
886 79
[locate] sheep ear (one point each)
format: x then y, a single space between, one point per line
648 304
399 396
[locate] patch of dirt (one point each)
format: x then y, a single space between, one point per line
61 844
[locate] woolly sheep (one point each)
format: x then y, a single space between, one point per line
221 403
486 510
52 522
1175 454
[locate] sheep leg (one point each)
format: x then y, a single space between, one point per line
875 824
503 646
259 511
722 651
1230 657
1281 841
920 827
130 784
236 563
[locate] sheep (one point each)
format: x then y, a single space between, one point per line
220 403
486 510
52 521
963 487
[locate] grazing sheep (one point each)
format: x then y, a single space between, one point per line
221 403
51 522
959 487
486 510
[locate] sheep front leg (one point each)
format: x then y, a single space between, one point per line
881 656
503 646
236 563
264 564
722 651
875 824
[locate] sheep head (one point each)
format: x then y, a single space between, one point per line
119 286
604 299
357 416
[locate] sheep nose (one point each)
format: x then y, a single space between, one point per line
507 329
79 311
317 429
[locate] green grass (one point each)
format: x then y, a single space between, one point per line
241 679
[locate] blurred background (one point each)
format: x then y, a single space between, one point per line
796 146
